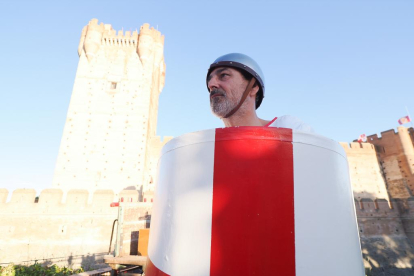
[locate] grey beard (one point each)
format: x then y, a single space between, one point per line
220 106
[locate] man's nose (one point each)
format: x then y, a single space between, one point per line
212 83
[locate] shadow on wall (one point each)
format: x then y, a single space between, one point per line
385 228
90 262
387 256
87 262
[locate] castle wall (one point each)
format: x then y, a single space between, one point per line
387 235
396 154
112 115
365 171
70 233
382 170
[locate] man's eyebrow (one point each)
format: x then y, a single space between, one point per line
217 72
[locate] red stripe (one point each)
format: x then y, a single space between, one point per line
253 210
271 122
152 270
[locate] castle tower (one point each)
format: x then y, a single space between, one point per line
365 171
112 117
407 149
396 154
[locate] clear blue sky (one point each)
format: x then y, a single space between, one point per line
344 67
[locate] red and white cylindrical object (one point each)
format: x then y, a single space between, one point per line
253 201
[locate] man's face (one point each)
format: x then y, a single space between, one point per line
226 86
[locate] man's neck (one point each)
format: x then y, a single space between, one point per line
250 120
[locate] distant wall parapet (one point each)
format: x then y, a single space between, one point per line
68 233
357 146
76 198
381 217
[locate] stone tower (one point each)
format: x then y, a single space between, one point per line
109 139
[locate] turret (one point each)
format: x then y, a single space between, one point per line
93 39
150 46
146 40
407 146
82 40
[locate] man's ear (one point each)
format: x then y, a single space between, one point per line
255 90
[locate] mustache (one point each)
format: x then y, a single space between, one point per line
217 92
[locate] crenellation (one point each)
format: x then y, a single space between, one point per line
93 21
368 146
379 207
382 204
51 197
372 137
355 145
23 196
145 29
149 196
108 27
23 200
366 203
102 197
95 35
4 193
128 196
388 132
77 197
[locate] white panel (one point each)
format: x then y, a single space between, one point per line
326 233
197 137
180 239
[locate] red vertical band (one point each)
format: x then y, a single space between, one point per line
253 210
152 270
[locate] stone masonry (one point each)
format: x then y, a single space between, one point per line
382 179
70 233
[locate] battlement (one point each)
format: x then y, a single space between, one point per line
357 146
51 228
387 208
76 199
111 38
158 140
388 133
380 217
95 34
155 34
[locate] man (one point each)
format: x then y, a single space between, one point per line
236 85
